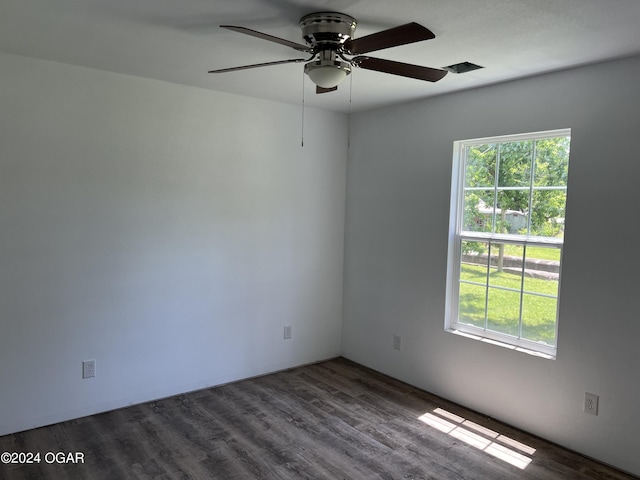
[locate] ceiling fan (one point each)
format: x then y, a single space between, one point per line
330 43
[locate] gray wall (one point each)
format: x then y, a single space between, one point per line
167 232
398 192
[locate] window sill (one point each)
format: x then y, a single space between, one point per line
528 351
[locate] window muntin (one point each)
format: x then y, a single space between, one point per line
507 216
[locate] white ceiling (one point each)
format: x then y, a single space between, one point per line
179 40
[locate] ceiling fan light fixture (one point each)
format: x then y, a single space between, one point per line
327 74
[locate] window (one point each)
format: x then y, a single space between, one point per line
508 202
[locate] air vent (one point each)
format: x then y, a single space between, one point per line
463 67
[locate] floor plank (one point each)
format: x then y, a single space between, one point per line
331 420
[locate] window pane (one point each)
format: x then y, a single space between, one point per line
503 311
552 162
478 211
481 166
542 270
539 318
547 219
472 304
539 313
474 256
476 248
506 265
473 268
515 164
510 216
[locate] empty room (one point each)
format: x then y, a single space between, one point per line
319 239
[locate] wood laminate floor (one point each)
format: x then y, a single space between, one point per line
331 420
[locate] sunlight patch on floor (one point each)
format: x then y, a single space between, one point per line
482 438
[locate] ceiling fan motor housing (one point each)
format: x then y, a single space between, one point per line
327 30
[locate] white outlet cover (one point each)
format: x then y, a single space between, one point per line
88 369
591 403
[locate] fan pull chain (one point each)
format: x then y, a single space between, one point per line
349 117
302 126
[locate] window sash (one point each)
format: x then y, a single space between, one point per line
516 341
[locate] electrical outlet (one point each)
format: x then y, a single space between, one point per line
591 403
397 342
287 332
88 369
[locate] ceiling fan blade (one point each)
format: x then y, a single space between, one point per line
257 65
398 68
325 90
271 38
402 35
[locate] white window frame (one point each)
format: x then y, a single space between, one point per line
455 242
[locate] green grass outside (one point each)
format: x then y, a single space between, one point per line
541 253
503 306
